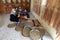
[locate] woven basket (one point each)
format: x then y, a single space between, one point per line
26 32
35 34
11 25
19 27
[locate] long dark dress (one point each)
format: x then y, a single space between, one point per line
14 18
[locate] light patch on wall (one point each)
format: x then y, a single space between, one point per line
43 2
42 9
14 1
9 1
3 1
19 1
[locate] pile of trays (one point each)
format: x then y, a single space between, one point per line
31 28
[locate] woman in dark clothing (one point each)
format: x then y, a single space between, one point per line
13 18
13 15
25 12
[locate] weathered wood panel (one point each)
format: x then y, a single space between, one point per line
7 5
50 6
48 14
37 6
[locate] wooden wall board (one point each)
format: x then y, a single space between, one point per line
7 6
50 7
36 6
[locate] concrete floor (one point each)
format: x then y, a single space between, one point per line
10 33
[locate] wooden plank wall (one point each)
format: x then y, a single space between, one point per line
52 14
7 6
37 6
49 10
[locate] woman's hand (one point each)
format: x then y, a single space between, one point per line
18 15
